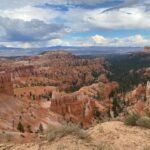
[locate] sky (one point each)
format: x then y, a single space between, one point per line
46 23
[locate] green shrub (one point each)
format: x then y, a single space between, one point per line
20 127
137 120
132 119
144 122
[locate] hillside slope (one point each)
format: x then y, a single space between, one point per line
114 134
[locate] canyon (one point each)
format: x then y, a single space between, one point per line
57 86
44 89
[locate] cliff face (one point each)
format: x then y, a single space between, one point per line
58 86
39 84
148 94
6 85
9 76
21 71
84 105
76 110
137 100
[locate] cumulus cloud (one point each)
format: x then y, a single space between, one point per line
100 39
127 18
136 40
11 4
28 13
28 31
58 42
24 24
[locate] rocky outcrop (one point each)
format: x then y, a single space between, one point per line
82 106
9 76
75 109
21 71
138 100
6 85
148 95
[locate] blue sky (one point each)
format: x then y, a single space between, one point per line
45 23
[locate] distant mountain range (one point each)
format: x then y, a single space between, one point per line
95 50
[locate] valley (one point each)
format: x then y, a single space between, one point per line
56 87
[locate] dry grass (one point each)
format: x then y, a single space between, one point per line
6 137
137 120
132 119
103 146
64 130
144 122
146 148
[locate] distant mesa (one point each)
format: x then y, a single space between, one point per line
58 52
147 49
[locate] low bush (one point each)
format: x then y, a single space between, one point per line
132 119
64 130
144 122
103 146
137 120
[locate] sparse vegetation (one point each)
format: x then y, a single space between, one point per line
29 129
144 122
41 128
20 127
103 146
137 120
132 119
64 130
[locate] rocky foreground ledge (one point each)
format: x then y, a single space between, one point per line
113 135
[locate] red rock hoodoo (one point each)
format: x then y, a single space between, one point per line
6 86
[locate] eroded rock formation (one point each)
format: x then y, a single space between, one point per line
74 109
6 85
84 105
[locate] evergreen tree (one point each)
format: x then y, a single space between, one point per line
41 128
20 127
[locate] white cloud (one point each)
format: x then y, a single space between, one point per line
126 18
100 39
136 40
97 40
26 45
7 4
51 25
58 42
29 31
80 19
28 13
17 44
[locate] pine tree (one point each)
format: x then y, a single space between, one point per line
20 127
41 128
